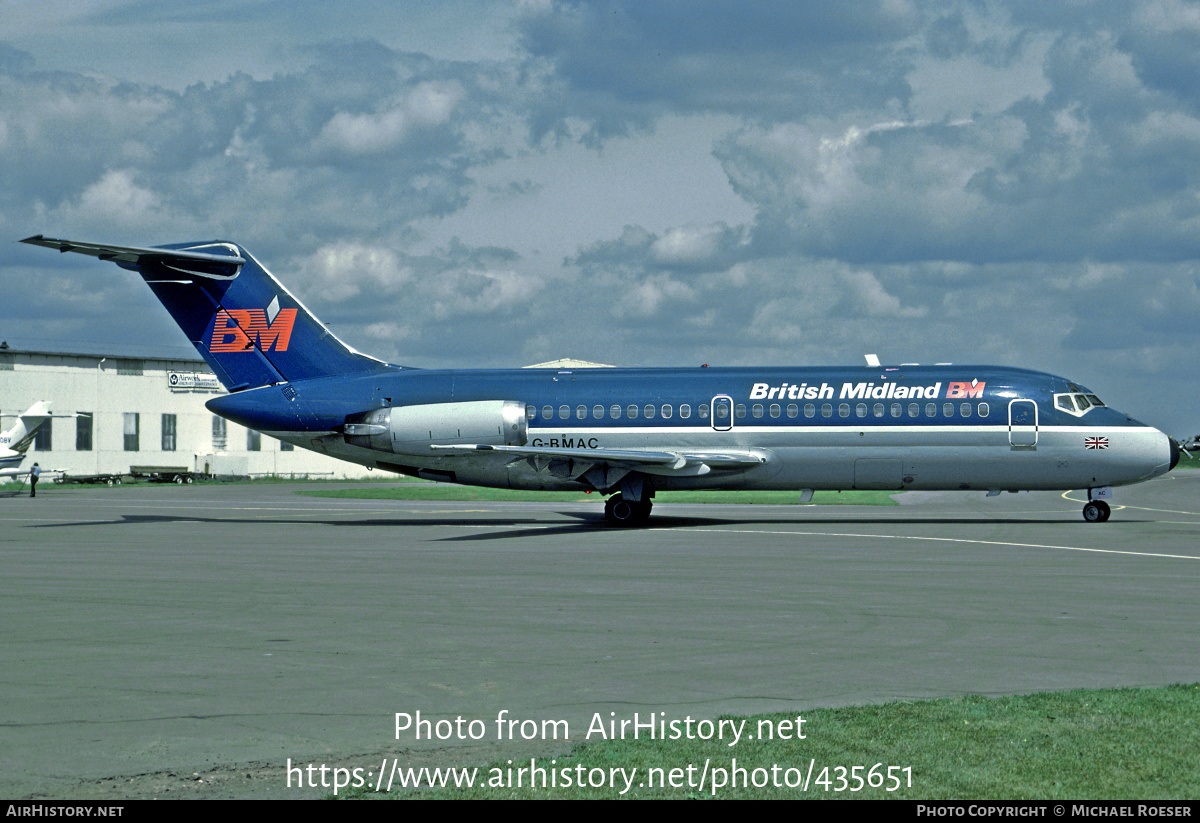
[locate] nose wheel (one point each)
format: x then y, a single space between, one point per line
1096 511
621 512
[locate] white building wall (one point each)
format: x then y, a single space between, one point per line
95 384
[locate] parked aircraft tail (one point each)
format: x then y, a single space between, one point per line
15 440
247 326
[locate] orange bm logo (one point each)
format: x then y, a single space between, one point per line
957 391
237 330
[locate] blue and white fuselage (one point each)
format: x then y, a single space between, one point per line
632 432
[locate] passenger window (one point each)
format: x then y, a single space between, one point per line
530 412
667 411
614 411
757 411
860 410
564 412
632 411
740 411
649 411
877 410
984 410
581 412
776 410
547 412
914 410
826 410
931 409
794 410
810 410
897 410
843 409
702 411
598 412
965 409
947 409
722 411
685 411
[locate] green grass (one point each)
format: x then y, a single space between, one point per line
1113 744
421 490
1188 460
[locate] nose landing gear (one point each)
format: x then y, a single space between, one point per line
1096 511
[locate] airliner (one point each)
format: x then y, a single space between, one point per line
630 433
16 439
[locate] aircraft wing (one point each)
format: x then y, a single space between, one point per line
575 462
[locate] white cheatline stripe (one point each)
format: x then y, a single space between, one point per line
942 540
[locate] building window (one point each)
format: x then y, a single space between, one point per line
168 432
42 441
285 446
6 362
129 367
83 432
253 441
132 427
218 434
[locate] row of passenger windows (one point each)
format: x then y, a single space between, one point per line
758 411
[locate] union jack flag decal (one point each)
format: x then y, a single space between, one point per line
1095 442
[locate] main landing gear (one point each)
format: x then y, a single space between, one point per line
621 512
1096 511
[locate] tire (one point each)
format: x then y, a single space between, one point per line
1092 512
626 513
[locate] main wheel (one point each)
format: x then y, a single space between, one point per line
1096 511
621 512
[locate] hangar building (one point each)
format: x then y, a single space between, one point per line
126 407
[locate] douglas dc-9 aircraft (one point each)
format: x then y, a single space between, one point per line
629 433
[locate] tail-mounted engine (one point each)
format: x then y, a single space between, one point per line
413 429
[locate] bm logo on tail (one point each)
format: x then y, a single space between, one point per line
237 330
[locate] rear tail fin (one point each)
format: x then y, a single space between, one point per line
248 327
18 436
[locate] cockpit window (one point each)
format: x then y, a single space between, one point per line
1077 404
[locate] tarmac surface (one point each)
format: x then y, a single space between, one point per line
191 641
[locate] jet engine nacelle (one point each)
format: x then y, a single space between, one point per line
413 429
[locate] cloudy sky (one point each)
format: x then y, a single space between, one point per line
471 183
